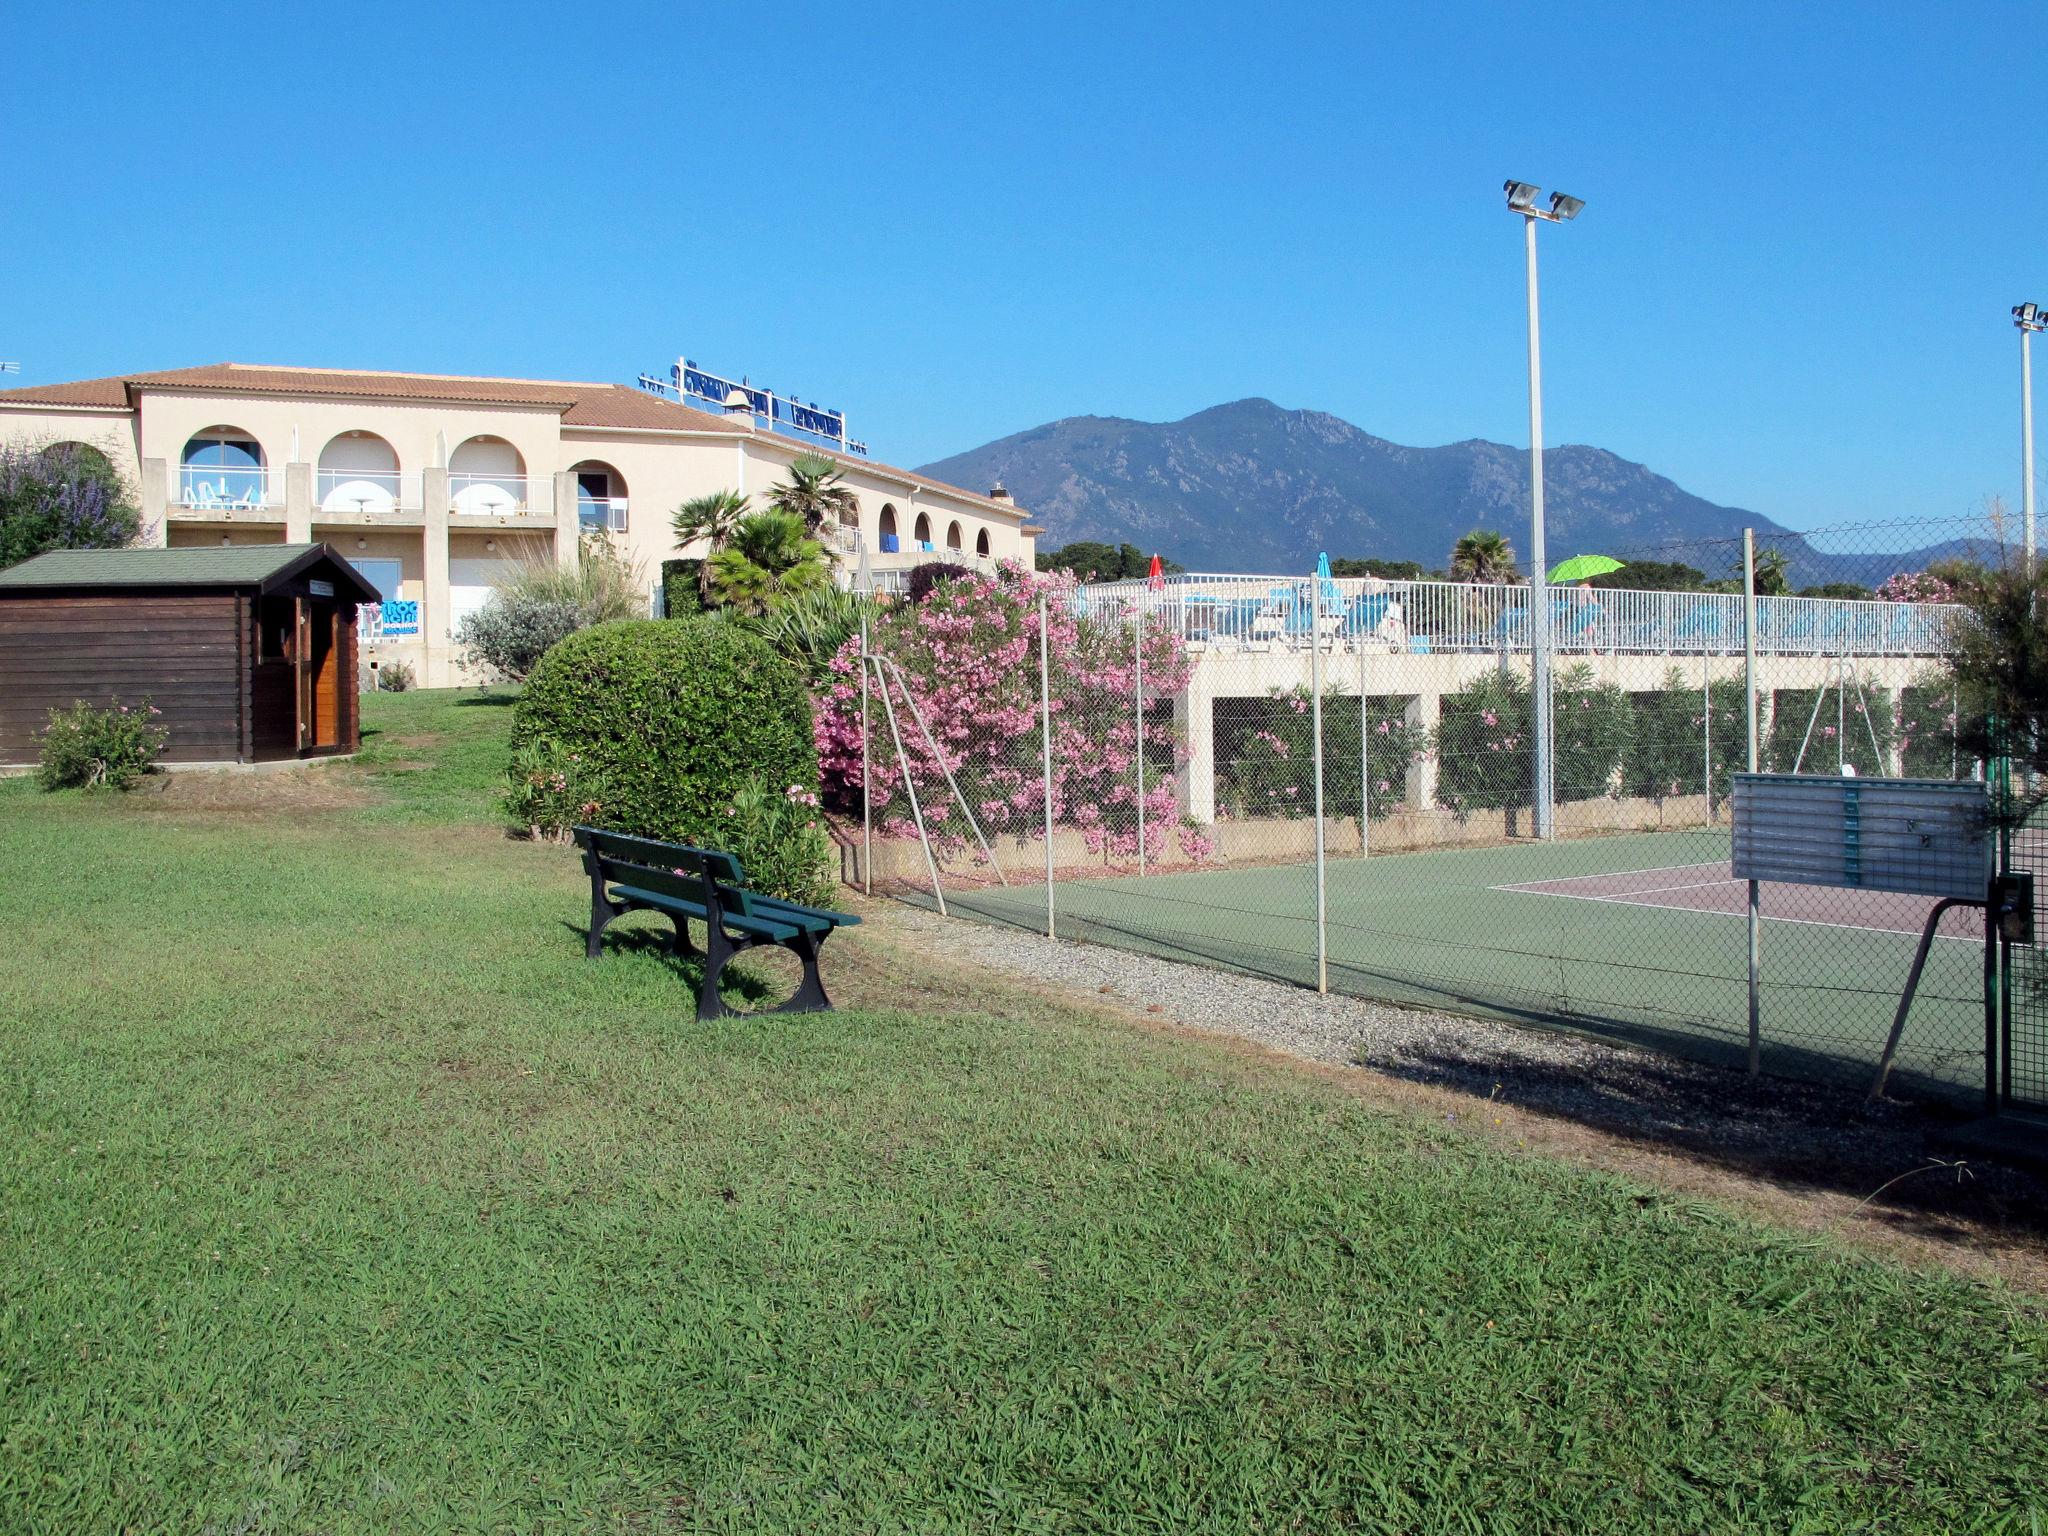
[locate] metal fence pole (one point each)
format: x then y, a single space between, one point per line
1315 683
1045 755
910 785
1749 701
1138 723
1707 731
1364 756
867 792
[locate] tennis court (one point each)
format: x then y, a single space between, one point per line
1639 937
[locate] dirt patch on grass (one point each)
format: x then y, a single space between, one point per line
1800 1159
293 791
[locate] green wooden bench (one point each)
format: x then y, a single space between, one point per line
639 874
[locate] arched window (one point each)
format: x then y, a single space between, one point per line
222 468
600 497
358 472
923 531
981 543
82 454
486 474
953 537
886 528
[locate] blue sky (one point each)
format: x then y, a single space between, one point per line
1805 225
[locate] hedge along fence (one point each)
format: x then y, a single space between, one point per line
1484 749
1265 755
1856 726
969 655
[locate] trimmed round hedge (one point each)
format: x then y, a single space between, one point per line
673 717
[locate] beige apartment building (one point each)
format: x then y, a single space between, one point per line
436 487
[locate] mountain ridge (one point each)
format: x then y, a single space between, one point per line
1320 483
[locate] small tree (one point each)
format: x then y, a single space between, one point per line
815 493
768 562
1484 555
713 518
1998 660
62 496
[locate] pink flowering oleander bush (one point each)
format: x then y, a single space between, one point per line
1265 755
1485 754
778 835
1859 729
85 747
549 790
969 655
1929 744
1915 587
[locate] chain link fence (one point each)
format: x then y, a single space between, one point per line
1342 782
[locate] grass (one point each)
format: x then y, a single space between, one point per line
340 1194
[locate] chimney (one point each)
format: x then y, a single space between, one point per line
997 493
738 407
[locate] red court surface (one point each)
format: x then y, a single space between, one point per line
1710 888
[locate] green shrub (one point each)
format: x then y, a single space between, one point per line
541 603
86 748
674 719
549 790
1838 730
1667 753
1265 754
779 837
394 677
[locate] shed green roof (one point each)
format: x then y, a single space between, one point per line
220 565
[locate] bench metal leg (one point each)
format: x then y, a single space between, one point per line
680 944
601 914
809 996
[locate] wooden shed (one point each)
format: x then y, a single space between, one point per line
248 650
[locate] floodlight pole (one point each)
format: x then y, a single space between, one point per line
1539 594
2027 328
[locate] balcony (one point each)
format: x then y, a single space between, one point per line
364 493
601 514
225 490
495 495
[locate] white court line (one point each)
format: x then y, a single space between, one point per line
1535 887
1804 922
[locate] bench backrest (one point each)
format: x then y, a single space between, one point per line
673 869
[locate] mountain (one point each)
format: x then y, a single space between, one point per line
1252 487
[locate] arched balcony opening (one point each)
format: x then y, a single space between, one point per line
922 533
223 469
357 472
886 534
953 537
486 475
601 500
981 543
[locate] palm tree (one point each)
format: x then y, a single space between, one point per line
714 519
814 492
767 562
1485 556
1772 566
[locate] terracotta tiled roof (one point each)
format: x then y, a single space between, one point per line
581 405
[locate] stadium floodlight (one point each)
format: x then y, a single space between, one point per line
2028 318
1522 197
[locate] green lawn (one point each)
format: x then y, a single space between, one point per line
340 1194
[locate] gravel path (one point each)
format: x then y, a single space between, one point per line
1637 1093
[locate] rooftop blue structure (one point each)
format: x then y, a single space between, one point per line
806 421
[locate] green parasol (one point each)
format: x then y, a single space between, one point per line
1583 568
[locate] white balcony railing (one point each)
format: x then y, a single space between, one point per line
366 491
600 514
1448 616
220 488
499 495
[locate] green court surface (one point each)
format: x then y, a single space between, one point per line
1637 936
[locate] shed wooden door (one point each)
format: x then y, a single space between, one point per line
319 663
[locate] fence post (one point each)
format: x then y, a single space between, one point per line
1138 723
1749 703
1045 755
1364 755
867 792
1315 684
1707 731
